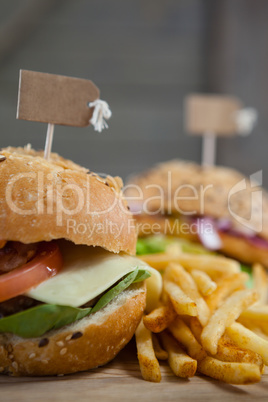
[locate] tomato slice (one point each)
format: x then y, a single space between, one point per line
47 263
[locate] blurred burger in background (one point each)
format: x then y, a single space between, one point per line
216 207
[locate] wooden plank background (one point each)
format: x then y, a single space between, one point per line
238 64
121 380
145 56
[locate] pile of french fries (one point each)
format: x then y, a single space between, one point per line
207 320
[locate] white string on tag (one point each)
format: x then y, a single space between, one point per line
246 119
101 113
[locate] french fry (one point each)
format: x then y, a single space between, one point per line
227 350
245 338
174 249
226 287
260 328
256 316
260 280
160 318
160 353
259 332
180 363
232 373
149 365
158 261
204 283
224 316
203 296
196 328
183 304
184 335
212 265
256 313
176 273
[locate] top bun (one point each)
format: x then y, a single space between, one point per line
42 200
210 190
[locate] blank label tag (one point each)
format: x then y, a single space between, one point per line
55 99
211 114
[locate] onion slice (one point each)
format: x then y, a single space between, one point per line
208 234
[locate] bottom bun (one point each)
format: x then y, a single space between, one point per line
90 342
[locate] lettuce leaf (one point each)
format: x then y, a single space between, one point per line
159 244
133 277
194 248
152 244
248 270
38 320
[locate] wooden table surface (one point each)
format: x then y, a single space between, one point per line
121 380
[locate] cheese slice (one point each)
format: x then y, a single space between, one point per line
88 272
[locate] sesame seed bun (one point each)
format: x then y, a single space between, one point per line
87 343
43 200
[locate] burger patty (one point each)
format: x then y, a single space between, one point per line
22 303
16 305
14 254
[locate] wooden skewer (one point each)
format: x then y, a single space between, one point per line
49 140
209 149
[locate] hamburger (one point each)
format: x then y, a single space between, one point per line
71 291
215 206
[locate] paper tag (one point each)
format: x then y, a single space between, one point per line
211 114
55 99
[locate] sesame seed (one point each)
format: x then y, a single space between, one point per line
44 361
100 180
68 337
43 342
11 356
60 344
76 335
15 365
63 351
2 158
32 355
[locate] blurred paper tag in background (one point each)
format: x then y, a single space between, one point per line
55 99
211 114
